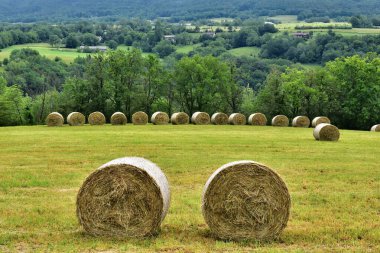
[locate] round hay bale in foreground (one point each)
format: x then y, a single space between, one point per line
375 128
76 119
280 121
319 120
96 119
140 118
326 132
245 200
257 119
219 118
159 118
301 121
200 118
55 119
237 119
118 118
127 197
180 118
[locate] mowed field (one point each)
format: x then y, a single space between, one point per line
334 186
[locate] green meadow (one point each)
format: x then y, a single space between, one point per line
334 186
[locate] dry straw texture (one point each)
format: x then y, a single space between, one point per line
319 120
160 118
257 119
246 200
219 118
118 118
375 128
180 118
280 121
301 121
237 119
200 118
326 132
140 118
54 119
127 197
96 118
76 119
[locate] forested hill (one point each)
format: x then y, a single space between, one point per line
54 10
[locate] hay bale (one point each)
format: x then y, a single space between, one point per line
280 121
257 119
301 121
140 118
118 118
200 118
237 119
76 119
54 119
375 128
180 118
319 120
159 118
219 118
326 132
245 200
127 197
96 119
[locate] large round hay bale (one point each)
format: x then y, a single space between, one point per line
180 118
257 119
140 118
237 119
280 121
375 128
127 197
96 119
118 118
55 119
219 118
319 120
159 118
301 121
76 119
245 200
326 132
200 118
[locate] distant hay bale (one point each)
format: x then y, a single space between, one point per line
280 121
200 118
237 119
326 132
301 121
140 118
96 119
219 118
375 128
245 200
180 118
55 119
118 118
319 120
76 119
159 118
127 197
257 119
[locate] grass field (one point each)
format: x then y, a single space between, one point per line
67 55
245 51
335 187
186 49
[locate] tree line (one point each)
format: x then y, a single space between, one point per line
346 89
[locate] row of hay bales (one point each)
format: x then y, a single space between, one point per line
181 118
130 197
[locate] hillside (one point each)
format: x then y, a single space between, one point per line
44 10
